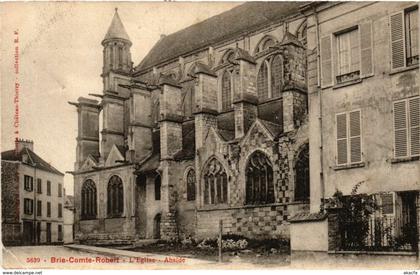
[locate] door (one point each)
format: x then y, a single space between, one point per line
48 232
38 233
28 233
156 231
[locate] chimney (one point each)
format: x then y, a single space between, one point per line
21 143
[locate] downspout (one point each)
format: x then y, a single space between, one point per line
321 172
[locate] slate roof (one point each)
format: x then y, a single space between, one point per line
235 22
116 29
33 159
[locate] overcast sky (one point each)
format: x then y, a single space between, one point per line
61 59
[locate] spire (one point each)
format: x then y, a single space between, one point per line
116 29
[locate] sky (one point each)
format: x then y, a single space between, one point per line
60 59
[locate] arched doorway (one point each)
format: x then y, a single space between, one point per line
156 227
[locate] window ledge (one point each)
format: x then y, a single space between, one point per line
347 83
405 69
406 159
349 166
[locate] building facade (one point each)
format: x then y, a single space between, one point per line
363 87
32 198
211 125
68 219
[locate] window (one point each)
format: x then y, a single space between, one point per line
404 38
60 190
302 175
411 36
349 141
387 203
226 91
48 188
28 183
407 127
28 206
215 183
88 197
39 208
158 184
276 76
115 197
39 186
48 209
191 185
259 180
270 78
348 55
265 44
262 81
60 210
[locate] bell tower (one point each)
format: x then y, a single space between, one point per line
116 52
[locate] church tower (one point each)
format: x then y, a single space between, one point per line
116 74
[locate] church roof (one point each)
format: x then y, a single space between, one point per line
116 29
33 159
235 22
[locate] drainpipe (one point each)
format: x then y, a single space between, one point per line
321 172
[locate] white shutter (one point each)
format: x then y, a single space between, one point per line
366 49
326 61
341 123
414 111
355 137
397 40
400 129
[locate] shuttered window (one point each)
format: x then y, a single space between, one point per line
407 127
326 61
349 138
404 38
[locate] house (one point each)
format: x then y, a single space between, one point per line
211 125
32 197
68 218
364 132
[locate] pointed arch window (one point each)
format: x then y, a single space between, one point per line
115 197
215 183
262 81
259 180
267 44
88 197
191 185
302 175
276 76
226 91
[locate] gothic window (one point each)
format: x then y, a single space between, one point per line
259 180
276 76
115 197
267 44
302 175
262 81
215 183
158 184
191 185
226 91
88 197
227 57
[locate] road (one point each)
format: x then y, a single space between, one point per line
60 257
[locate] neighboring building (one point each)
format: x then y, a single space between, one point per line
364 114
211 125
32 198
68 217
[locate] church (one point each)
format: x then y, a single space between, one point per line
211 125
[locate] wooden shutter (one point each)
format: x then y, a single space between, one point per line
326 62
400 129
341 121
355 137
414 111
366 49
397 40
